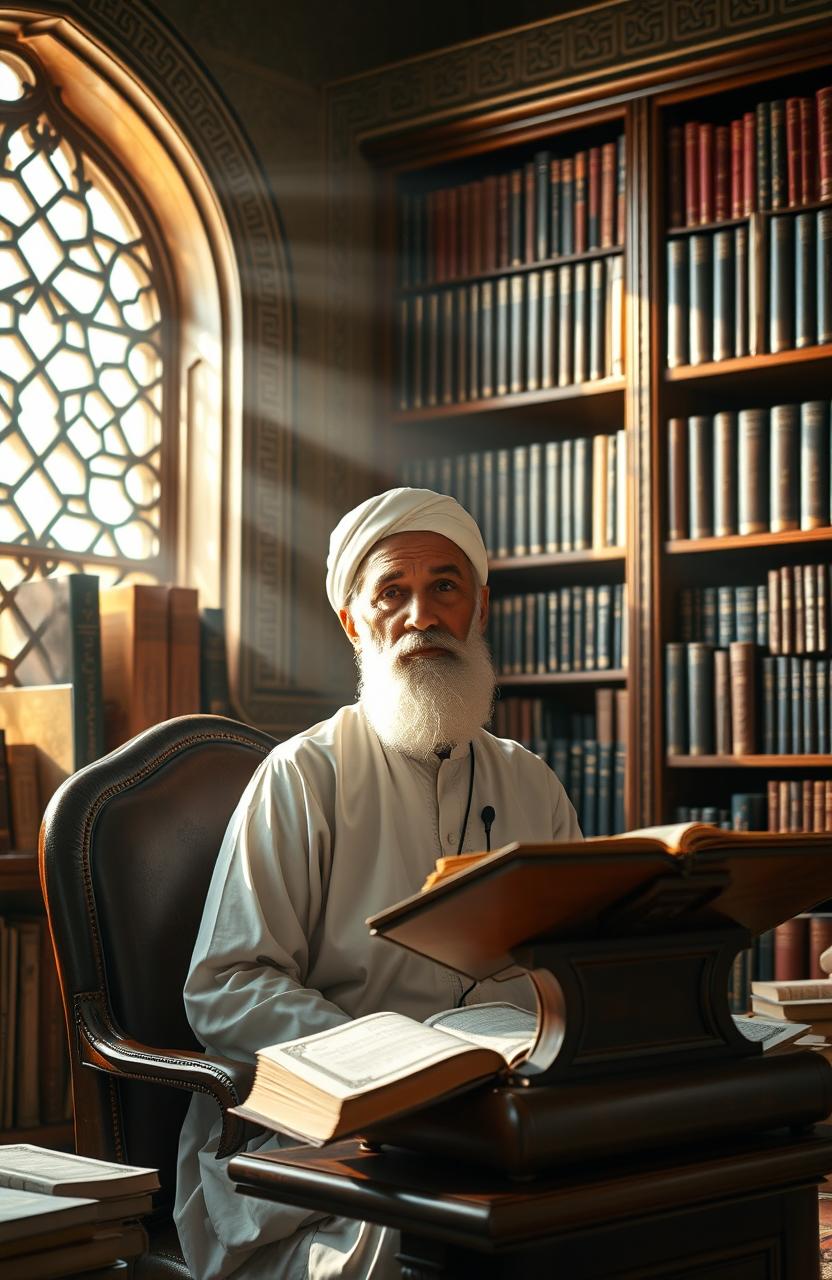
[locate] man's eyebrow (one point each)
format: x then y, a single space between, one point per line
447 568
393 574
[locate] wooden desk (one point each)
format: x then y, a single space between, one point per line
741 1211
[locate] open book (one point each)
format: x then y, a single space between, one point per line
343 1080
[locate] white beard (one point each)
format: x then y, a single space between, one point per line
421 705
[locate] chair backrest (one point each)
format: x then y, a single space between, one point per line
128 846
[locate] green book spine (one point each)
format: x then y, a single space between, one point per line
603 627
701 475
432 350
726 616
701 298
503 487
590 620
474 341
580 326
542 161
447 347
486 331
745 607
823 307
529 633
501 343
723 345
783 511
535 499
753 470
578 634
582 494
520 503
805 281
565 325
769 706
676 699
517 336
552 630
781 280
782 696
700 690
541 649
548 349
566 485
598 352
460 343
567 206
552 496
532 334
725 473
810 726
417 384
796 703
489 511
678 325
565 621
518 634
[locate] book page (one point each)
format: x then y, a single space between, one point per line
505 1028
365 1054
769 1032
24 1160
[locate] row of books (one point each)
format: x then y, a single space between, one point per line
34 1068
726 702
564 495
787 614
588 752
776 156
523 332
579 628
787 804
551 207
89 669
752 471
747 290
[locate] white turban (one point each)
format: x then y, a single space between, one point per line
397 511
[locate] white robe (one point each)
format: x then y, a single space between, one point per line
332 828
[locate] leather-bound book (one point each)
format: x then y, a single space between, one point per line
791 944
565 626
761 592
701 298
580 330
519 518
822 704
472 463
503 220
708 615
551 502
489 501
762 114
735 161
605 734
743 698
772 806
417 331
447 354
567 482
502 307
691 150
621 188
517 635
722 173
552 630
534 521
723 294
706 173
462 347
808 152
701 475
615 487
814 464
678 325
542 208
432 349
796 703
820 938
749 163
769 707
567 206
503 481
622 741
582 491
787 619
782 696
781 284
598 295
517 333
675 177
486 332
515 218
823 239
593 198
532 335
794 185
822 597
452 250
741 287
759 285
777 131
752 470
581 207
810 606
548 349
603 627
678 519
823 98
590 618
799 611
723 735
615 328
810 710
784 500
725 473
529 212
805 281
608 195
599 490
555 216
529 633
726 616
489 251
700 691
565 325
541 644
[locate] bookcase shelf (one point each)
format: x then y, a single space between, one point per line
559 559
564 678
19 872
748 541
58 1136
612 388
751 762
773 374
516 268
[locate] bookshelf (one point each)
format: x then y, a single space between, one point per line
745 362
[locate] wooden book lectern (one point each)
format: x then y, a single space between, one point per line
630 949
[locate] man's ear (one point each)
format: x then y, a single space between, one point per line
345 618
485 594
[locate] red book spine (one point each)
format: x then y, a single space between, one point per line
722 173
502 220
820 939
808 169
706 174
794 165
594 198
529 204
691 173
675 176
773 805
749 163
476 236
607 230
580 202
464 256
620 188
736 169
791 944
440 234
489 256
823 97
452 233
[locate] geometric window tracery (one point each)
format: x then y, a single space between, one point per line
81 354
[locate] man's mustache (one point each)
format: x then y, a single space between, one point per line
414 642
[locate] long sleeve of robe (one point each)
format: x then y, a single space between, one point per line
332 828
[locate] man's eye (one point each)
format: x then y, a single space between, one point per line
446 585
390 593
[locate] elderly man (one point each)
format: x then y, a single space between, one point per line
340 822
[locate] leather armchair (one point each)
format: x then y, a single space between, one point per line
127 849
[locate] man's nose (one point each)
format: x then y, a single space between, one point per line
421 613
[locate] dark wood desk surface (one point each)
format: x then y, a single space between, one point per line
478 1210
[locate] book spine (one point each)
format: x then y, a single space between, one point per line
486 328
676 699
548 363
582 495
501 331
794 186
608 195
615 271
736 168
805 281
762 114
700 687
749 163
752 470
741 286
706 173
823 302
542 161
552 498
518 334
675 176
700 471
823 99
530 212
565 325
701 299
722 173
777 133
743 698
515 218
677 302
725 473
567 206
678 519
535 499
781 284
462 346
503 484
520 501
691 150
599 491
566 491
784 512
723 295
814 464
598 346
432 349
580 325
769 706
593 198
22 766
580 215
489 501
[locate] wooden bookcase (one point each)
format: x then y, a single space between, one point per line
711 87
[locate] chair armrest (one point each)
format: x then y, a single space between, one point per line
103 1046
